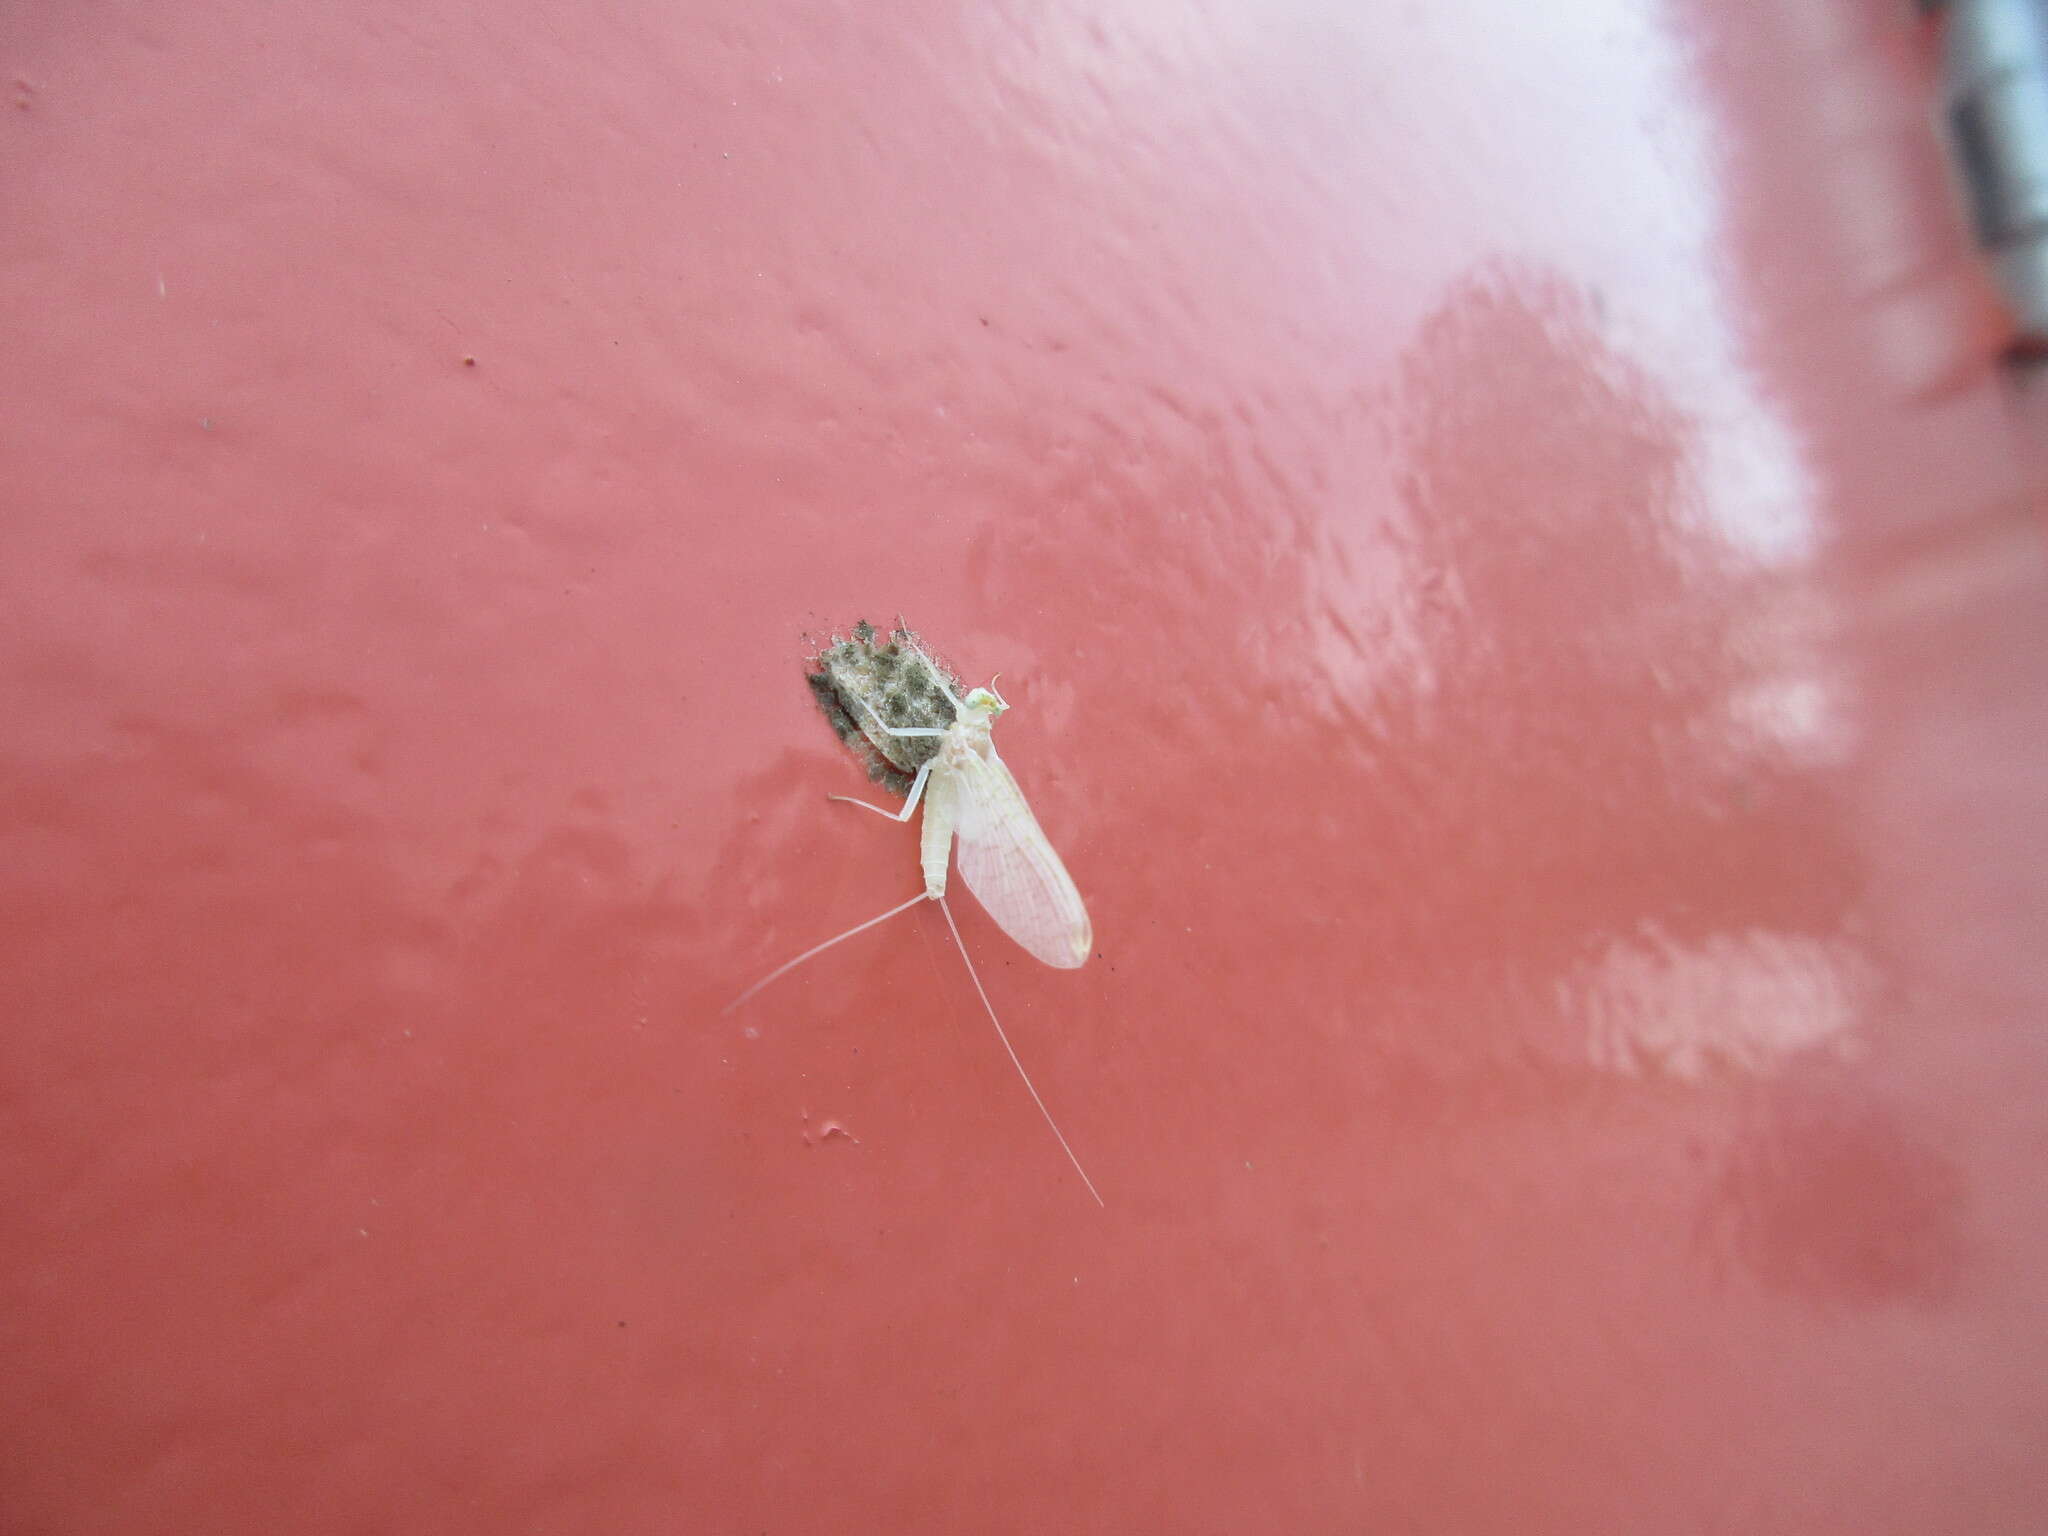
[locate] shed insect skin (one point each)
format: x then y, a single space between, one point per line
898 678
967 791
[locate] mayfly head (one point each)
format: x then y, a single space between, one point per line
985 702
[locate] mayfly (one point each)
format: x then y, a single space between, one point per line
968 793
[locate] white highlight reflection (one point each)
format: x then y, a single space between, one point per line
1747 1002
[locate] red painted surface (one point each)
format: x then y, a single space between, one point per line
1521 592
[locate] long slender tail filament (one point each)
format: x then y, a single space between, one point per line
819 949
975 977
980 991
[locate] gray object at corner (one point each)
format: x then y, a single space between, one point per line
1995 105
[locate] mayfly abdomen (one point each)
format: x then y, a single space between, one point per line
935 839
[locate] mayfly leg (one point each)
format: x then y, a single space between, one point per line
909 805
1029 1087
902 730
818 949
917 785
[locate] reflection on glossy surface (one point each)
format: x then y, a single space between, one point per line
1523 619
1605 720
1750 1002
1832 1198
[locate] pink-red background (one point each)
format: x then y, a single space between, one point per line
1521 587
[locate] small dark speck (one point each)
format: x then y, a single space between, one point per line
984 319
622 1322
468 361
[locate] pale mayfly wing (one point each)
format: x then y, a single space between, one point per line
1007 862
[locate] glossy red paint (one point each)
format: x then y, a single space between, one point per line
1521 588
